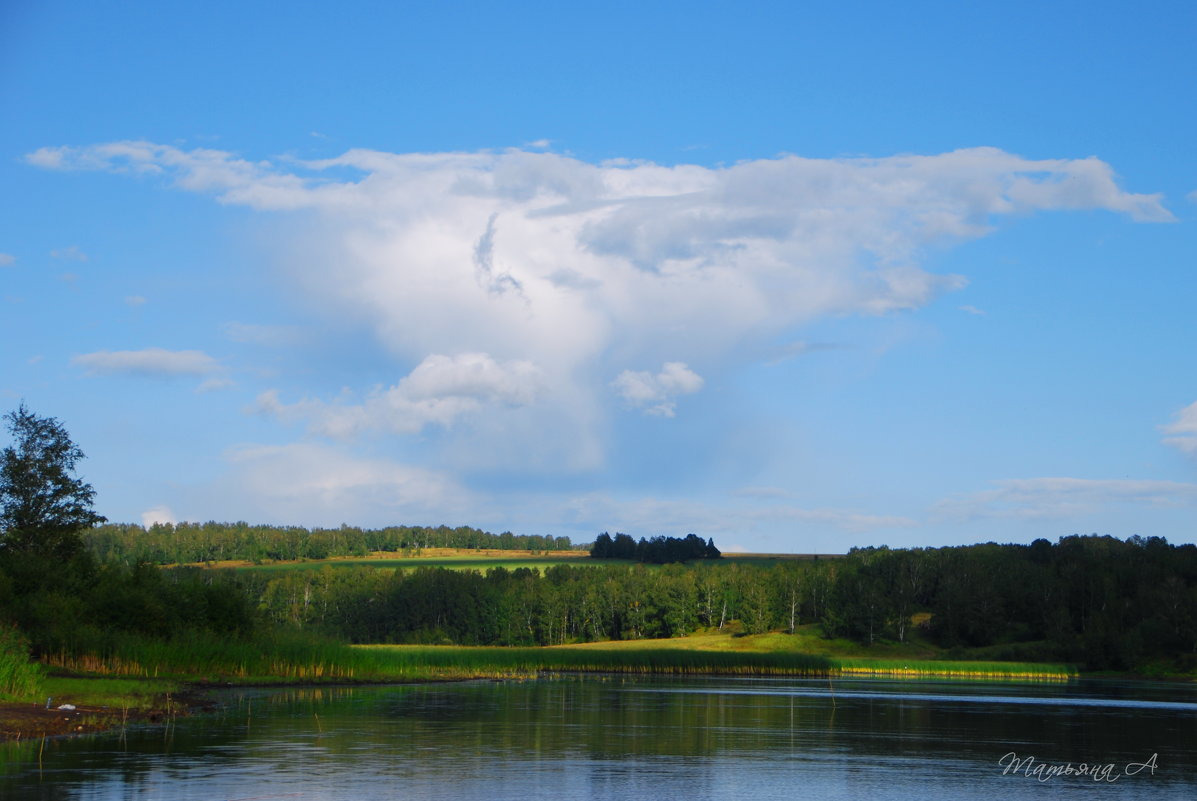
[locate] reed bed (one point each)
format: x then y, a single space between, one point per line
19 677
452 660
309 660
210 658
1026 671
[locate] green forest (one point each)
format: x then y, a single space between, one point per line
1100 602
189 543
1096 601
74 588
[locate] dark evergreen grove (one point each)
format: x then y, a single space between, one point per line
658 550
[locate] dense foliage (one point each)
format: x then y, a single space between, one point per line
1094 600
658 550
186 543
55 593
43 505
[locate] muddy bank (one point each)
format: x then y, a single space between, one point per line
34 721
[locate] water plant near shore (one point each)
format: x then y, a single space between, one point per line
304 659
18 675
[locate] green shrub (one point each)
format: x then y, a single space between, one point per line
18 675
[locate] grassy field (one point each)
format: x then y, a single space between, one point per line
806 639
832 657
768 559
667 657
451 558
483 560
116 693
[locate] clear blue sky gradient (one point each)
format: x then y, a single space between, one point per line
797 276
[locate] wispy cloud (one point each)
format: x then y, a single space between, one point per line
792 350
274 336
659 515
150 362
763 492
7 259
1184 430
1057 498
73 253
313 484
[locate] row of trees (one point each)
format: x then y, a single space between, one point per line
1099 601
1093 600
185 543
658 550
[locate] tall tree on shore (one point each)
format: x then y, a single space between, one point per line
43 505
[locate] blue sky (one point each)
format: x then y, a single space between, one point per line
799 277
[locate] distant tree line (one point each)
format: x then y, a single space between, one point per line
71 585
1096 601
186 543
657 551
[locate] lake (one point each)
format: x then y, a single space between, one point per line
597 737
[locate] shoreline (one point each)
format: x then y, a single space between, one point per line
26 721
23 721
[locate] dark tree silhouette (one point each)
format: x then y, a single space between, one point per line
658 550
43 506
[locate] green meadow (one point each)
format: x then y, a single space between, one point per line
412 562
468 559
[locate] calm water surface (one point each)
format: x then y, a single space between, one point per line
642 738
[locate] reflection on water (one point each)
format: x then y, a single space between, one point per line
632 738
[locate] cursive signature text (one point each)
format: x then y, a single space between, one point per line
1032 768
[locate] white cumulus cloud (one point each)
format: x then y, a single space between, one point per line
541 256
657 394
439 391
581 269
158 514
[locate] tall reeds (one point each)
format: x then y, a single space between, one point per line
18 675
304 659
